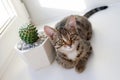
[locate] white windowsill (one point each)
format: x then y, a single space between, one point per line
103 65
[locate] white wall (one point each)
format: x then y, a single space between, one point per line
94 3
42 15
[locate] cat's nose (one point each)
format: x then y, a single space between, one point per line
69 43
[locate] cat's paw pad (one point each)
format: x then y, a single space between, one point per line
79 68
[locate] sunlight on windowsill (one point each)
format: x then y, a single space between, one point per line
72 5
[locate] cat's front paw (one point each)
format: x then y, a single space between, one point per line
80 66
67 64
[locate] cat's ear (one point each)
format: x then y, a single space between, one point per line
71 22
50 32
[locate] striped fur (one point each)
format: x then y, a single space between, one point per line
71 40
93 11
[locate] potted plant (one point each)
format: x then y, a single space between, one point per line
35 47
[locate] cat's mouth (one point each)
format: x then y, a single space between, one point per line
68 47
71 47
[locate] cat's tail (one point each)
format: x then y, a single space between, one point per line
93 11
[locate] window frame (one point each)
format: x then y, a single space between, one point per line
11 14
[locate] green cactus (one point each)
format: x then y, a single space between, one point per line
28 34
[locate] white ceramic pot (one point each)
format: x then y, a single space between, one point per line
40 56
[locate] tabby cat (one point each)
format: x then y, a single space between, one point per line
71 40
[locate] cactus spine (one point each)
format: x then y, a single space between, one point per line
29 34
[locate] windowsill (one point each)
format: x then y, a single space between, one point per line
103 65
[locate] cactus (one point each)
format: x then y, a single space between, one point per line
29 34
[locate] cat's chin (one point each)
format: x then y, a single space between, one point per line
68 48
72 47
